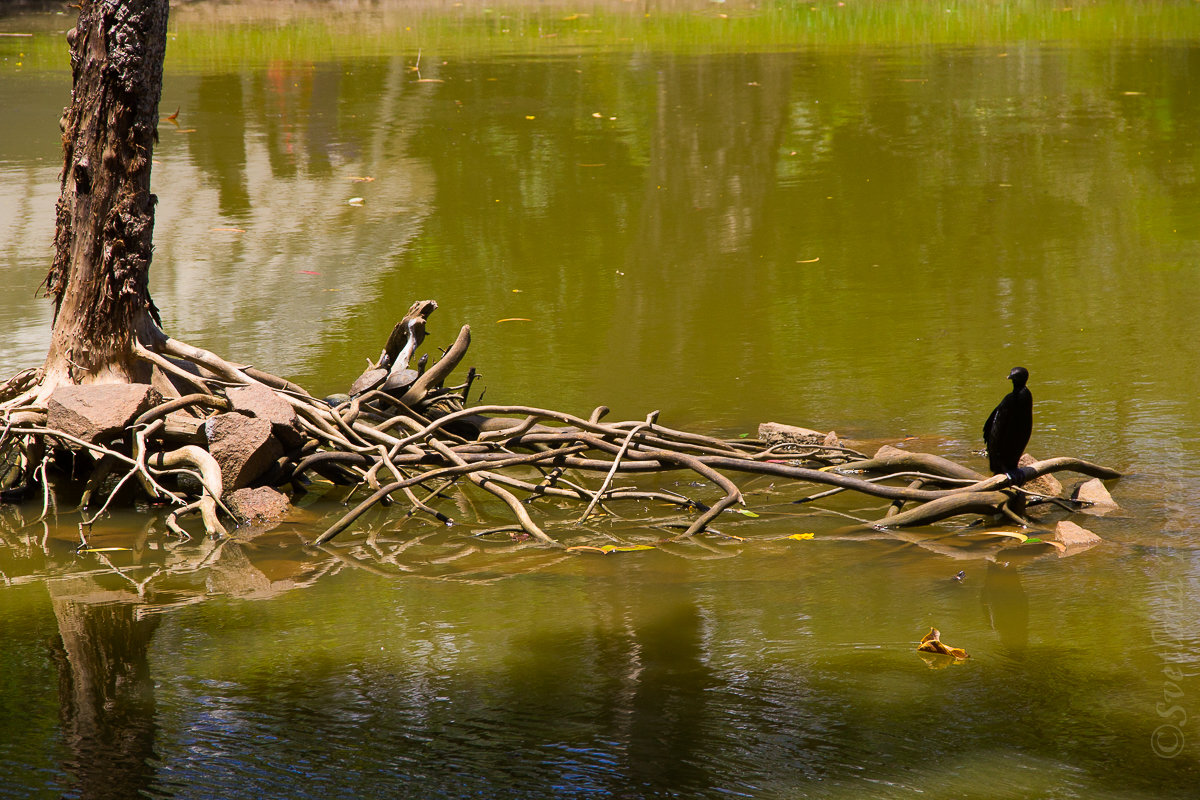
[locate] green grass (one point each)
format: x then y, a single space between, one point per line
204 36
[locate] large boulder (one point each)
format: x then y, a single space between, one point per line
244 447
98 413
258 401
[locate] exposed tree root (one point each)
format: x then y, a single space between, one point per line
400 428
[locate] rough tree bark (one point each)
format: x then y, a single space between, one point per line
105 213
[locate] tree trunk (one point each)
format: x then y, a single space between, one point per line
103 238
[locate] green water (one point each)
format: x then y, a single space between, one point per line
858 225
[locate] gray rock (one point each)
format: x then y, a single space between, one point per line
98 413
243 446
777 433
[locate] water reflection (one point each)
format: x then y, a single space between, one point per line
106 692
107 616
816 236
227 668
221 151
1006 605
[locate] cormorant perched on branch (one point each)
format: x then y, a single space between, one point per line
1008 427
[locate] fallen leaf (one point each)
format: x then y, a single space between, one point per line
932 643
799 537
744 512
515 319
809 260
611 548
227 230
363 179
102 549
1020 537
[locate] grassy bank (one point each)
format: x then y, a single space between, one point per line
205 35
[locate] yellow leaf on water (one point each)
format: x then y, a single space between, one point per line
1020 537
515 319
611 548
103 549
799 537
932 643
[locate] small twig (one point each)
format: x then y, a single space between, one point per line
650 419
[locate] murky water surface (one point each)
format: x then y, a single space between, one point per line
862 239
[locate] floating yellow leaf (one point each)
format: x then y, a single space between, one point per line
745 512
809 260
102 549
611 548
799 537
1020 537
515 319
932 643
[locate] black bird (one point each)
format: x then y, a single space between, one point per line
1008 427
